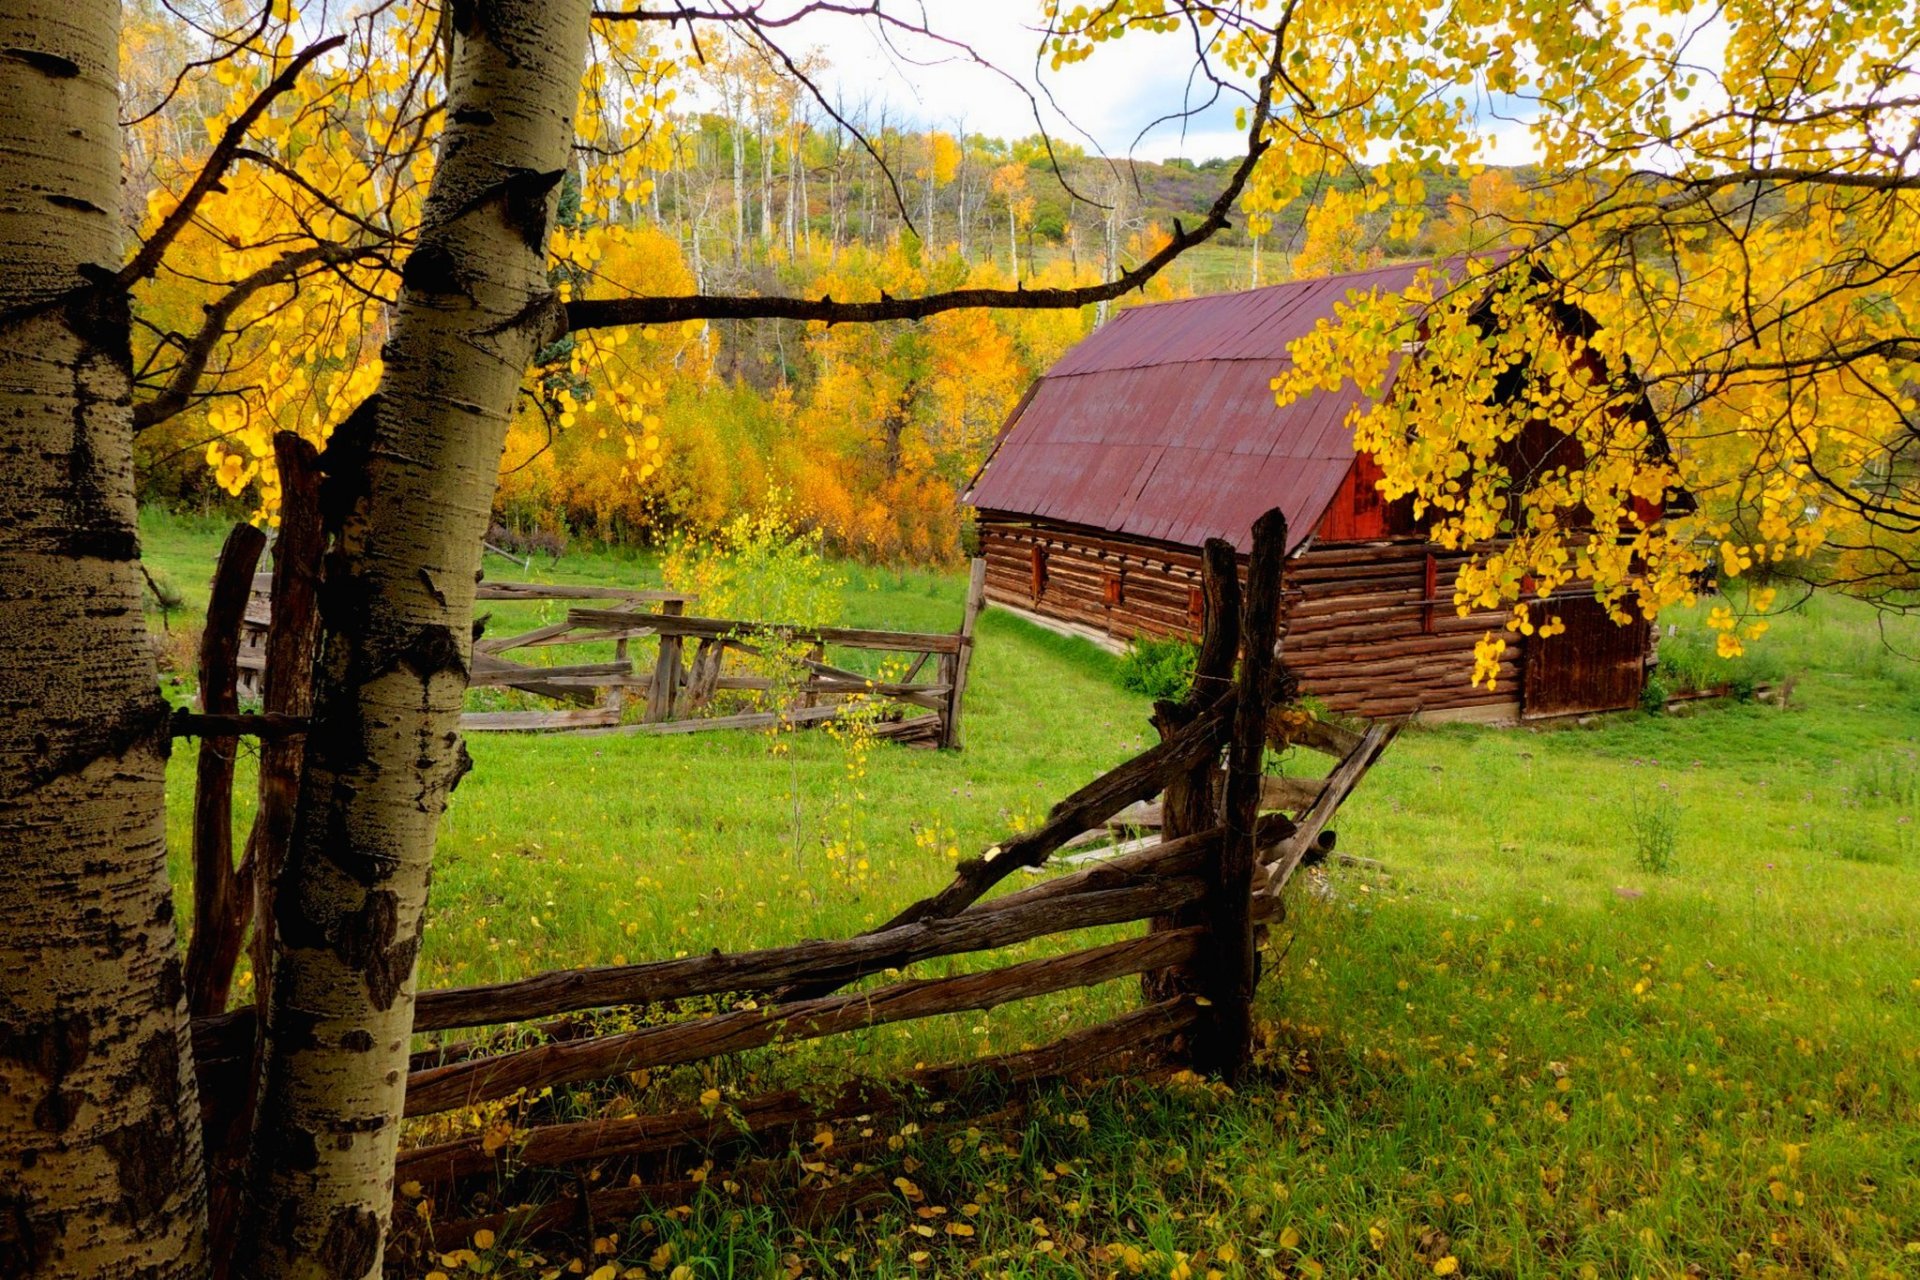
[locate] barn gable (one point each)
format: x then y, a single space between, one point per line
1162 425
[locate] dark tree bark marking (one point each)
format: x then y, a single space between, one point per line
352 1244
431 269
49 64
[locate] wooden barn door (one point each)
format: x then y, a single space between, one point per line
1594 665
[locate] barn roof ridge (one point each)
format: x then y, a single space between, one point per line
1247 324
1162 423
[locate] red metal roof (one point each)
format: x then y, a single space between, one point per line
1162 424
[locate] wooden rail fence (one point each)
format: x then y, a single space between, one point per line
1228 845
678 691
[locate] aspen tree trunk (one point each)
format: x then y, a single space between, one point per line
739 178
100 1169
410 483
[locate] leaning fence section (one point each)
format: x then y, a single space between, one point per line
1188 907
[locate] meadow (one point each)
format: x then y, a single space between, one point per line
1632 996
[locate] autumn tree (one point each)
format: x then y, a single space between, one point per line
395 249
1009 182
1722 219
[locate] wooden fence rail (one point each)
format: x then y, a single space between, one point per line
1230 838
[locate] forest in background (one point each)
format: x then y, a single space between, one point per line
866 432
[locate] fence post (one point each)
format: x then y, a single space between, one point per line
218 921
950 735
666 671
1223 1042
1190 803
616 695
286 683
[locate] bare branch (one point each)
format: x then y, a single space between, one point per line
600 313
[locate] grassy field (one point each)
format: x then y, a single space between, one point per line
1635 997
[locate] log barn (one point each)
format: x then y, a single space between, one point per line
1160 431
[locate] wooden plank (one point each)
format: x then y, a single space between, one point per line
536 636
569 1062
881 688
707 660
950 734
293 641
666 668
616 693
548 995
489 670
546 1146
568 591
746 720
1279 863
284 653
1192 855
1189 806
538 721
1291 794
914 728
818 653
589 636
1290 727
670 624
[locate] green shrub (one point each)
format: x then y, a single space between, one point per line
1158 666
760 566
1654 823
969 533
1654 694
1887 780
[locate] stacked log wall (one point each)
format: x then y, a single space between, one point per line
1362 630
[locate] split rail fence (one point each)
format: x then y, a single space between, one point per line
1229 844
691 666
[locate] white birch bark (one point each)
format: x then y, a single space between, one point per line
100 1165
411 483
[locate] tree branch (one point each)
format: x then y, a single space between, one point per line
147 260
600 313
194 355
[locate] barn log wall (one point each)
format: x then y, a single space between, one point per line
1361 629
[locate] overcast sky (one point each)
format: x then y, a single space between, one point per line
1103 104
1110 98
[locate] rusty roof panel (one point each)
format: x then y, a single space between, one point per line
1162 424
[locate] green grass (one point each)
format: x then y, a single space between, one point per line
1515 1047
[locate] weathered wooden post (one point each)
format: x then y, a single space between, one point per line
666 670
219 917
1223 1042
286 682
1190 804
286 689
816 654
950 733
617 694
